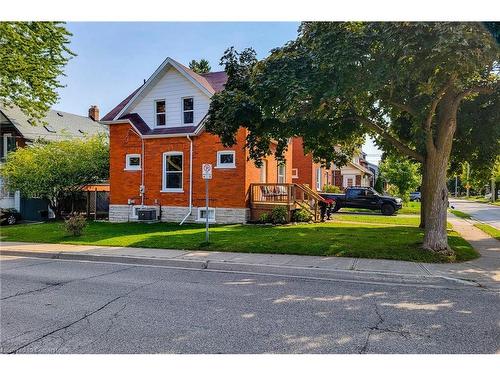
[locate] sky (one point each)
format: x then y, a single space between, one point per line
113 58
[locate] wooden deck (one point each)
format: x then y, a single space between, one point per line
265 196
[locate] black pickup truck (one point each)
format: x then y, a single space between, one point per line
363 197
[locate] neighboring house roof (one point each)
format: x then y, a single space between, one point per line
59 125
361 168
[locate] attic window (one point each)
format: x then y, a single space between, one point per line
188 109
49 128
160 112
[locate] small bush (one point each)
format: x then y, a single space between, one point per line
331 189
75 224
302 215
264 218
279 215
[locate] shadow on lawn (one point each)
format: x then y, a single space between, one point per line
397 242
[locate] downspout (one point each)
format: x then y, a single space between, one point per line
190 180
141 188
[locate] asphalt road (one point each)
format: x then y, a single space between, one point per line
52 306
487 213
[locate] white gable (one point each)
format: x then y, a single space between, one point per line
172 87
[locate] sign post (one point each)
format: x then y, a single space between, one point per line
206 173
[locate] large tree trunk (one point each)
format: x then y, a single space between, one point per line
435 204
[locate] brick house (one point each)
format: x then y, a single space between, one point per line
158 144
306 171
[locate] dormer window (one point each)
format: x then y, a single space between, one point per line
160 112
188 110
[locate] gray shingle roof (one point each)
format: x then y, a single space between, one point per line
60 125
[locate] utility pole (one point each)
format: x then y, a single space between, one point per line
456 186
468 178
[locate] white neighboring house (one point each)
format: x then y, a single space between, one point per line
16 131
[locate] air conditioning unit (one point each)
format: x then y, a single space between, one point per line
146 214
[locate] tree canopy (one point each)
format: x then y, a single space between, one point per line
401 82
32 58
200 67
55 170
402 173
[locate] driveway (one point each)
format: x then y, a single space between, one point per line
480 211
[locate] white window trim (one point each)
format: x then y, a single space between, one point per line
226 165
164 189
295 172
200 209
160 113
183 111
129 167
5 141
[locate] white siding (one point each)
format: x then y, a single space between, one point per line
172 87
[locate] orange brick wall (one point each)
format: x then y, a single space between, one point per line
303 163
228 187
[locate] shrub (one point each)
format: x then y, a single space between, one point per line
279 215
265 218
331 189
75 224
302 215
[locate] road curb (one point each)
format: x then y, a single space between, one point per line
248 268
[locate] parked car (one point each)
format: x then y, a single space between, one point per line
364 197
416 196
9 216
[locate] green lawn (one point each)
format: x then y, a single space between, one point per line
413 220
488 229
481 199
410 208
326 239
460 214
379 219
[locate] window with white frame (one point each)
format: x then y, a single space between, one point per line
172 171
202 214
281 173
226 159
188 110
295 173
133 162
8 144
160 112
318 179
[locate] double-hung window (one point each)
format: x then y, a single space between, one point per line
160 112
172 171
188 110
225 159
281 173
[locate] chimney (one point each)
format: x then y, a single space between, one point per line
94 112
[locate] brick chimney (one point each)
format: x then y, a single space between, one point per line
94 112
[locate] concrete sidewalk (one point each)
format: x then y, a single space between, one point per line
484 271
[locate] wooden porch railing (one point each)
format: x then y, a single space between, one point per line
264 196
